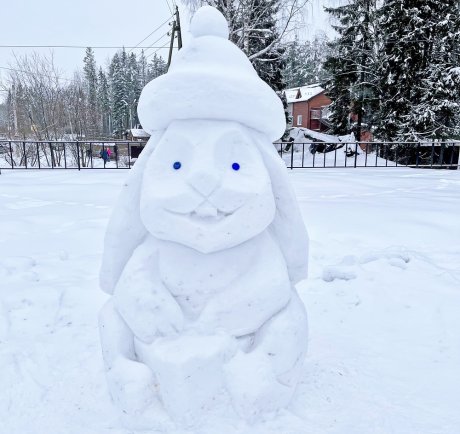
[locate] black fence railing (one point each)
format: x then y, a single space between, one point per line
437 155
69 155
81 155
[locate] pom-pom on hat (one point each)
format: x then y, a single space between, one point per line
211 78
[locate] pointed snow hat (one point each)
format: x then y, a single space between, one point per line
211 78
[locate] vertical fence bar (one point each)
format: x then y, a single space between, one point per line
314 157
417 158
356 154
38 155
324 156
292 155
91 154
25 154
335 156
51 155
376 154
452 156
346 153
11 154
129 155
386 156
78 154
432 155
441 155
365 157
65 156
303 153
396 155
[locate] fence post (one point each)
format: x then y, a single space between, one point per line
11 154
78 155
292 156
24 151
38 155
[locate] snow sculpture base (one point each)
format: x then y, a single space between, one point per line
189 373
204 248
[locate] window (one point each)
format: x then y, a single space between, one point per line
315 114
299 120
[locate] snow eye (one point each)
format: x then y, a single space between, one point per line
235 166
177 165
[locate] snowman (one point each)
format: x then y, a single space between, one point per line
204 248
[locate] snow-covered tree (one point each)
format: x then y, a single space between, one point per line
304 62
352 85
103 96
419 72
259 27
157 67
119 97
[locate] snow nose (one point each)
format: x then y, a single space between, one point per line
204 182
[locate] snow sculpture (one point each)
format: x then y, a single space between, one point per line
204 247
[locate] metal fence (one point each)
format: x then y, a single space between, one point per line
123 154
69 155
437 155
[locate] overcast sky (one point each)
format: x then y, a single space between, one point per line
96 22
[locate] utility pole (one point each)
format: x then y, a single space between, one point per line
178 28
175 28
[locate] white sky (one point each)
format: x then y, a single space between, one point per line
97 22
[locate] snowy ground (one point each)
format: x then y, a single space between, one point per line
383 300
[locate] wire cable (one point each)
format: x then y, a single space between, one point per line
152 46
169 7
150 34
158 49
95 47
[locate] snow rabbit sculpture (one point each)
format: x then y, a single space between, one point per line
204 248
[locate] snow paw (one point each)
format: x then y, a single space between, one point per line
132 387
253 386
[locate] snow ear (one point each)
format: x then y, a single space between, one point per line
288 226
125 230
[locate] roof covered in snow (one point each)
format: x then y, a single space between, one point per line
303 93
138 133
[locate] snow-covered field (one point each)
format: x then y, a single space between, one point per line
383 299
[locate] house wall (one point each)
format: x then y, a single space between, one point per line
303 108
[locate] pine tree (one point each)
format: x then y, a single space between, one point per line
104 100
352 85
119 97
157 67
255 28
260 35
90 76
419 77
304 62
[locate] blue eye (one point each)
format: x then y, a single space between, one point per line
177 165
235 166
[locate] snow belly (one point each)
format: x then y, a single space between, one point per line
235 290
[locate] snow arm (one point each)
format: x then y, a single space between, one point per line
142 300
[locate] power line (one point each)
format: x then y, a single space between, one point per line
152 46
164 46
150 34
77 46
169 7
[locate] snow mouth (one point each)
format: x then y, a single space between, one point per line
205 212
